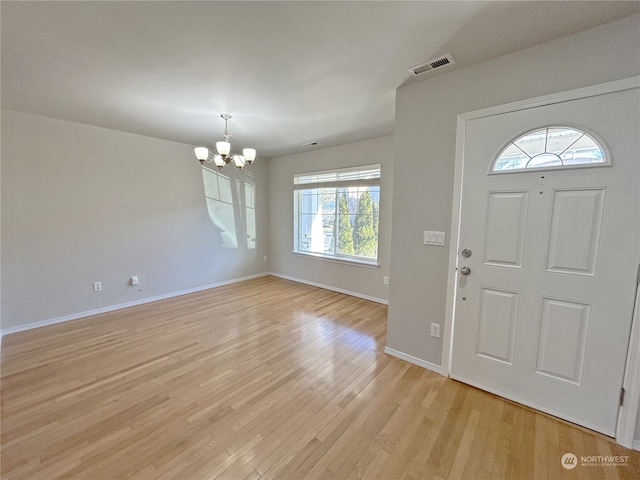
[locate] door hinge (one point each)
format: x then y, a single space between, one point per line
638 277
622 396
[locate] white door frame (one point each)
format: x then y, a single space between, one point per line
628 413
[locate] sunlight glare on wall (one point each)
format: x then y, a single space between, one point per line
231 203
217 188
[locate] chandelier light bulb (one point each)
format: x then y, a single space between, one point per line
238 160
223 148
249 154
202 153
219 161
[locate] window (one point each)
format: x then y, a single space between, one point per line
552 147
336 213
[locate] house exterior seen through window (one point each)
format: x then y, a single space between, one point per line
550 148
336 213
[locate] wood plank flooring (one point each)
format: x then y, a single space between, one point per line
264 379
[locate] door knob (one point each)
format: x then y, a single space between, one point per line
465 270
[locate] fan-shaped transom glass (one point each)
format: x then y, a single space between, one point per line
552 147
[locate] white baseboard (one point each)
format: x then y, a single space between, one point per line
120 306
329 287
415 360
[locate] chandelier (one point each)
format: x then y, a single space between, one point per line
224 155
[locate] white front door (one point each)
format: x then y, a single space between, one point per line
544 315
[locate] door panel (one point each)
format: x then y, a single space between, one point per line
563 339
505 229
497 329
544 316
574 236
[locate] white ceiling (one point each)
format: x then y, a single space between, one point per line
288 72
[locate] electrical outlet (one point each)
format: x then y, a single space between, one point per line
435 330
265 258
385 279
133 280
97 286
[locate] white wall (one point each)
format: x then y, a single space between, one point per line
363 281
82 204
425 134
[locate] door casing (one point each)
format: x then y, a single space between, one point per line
628 414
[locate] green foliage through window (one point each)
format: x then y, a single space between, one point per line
336 213
345 229
364 237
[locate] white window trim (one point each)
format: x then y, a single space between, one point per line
339 259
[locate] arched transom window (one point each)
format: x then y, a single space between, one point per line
551 147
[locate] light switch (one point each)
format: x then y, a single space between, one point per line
434 238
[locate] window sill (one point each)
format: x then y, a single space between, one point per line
346 261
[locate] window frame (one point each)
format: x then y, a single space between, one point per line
338 180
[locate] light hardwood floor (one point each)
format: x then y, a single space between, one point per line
264 379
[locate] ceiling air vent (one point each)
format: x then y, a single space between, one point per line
432 65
